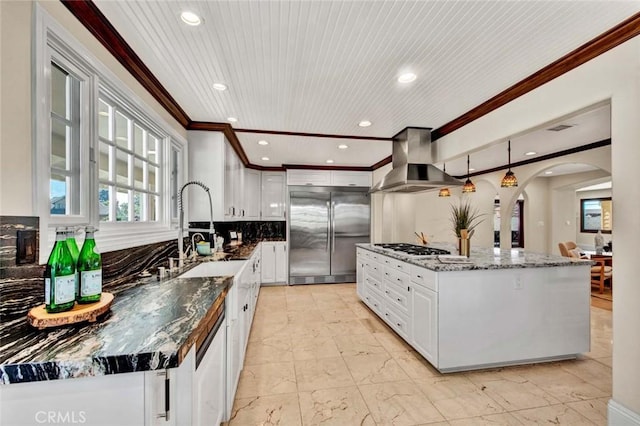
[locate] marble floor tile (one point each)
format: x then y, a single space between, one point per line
514 374
314 348
608 361
518 395
309 329
273 290
415 365
375 325
360 310
358 344
332 313
323 373
374 368
309 315
346 327
559 414
338 406
392 343
271 410
592 372
300 303
457 397
594 409
270 316
275 349
399 403
563 385
260 331
504 419
267 379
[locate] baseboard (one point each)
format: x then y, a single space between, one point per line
272 284
619 415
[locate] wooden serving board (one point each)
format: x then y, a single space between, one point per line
39 317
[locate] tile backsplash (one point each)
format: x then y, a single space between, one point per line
251 231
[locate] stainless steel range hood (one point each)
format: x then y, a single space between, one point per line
412 170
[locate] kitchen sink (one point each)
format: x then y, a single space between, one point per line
214 269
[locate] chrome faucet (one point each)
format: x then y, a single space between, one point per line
194 254
212 231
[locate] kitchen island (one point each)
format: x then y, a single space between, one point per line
496 308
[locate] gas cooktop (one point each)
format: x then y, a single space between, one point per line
412 249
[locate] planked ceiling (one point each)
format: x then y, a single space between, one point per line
323 66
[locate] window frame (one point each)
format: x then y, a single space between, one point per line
50 38
582 215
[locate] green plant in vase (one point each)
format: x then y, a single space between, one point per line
464 219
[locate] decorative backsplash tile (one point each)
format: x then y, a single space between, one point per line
251 231
9 227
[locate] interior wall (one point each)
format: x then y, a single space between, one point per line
536 215
16 31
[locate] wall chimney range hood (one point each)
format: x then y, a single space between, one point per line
412 170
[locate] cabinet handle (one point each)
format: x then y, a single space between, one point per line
419 276
399 325
167 389
386 314
399 300
399 279
408 289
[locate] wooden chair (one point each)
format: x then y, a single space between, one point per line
601 273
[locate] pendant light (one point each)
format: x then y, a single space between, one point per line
509 180
468 185
444 192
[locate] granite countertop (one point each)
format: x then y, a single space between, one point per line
483 258
150 326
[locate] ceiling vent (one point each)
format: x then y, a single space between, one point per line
560 127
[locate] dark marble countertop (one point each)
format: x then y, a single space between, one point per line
150 326
244 250
483 258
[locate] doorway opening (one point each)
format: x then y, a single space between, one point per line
517 224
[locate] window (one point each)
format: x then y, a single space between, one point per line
596 214
129 173
101 155
64 181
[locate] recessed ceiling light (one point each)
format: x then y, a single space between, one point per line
265 158
364 123
530 153
190 18
548 172
232 119
329 161
220 86
343 146
263 142
407 77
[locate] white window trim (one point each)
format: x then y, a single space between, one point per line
112 236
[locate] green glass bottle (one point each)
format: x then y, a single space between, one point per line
59 276
89 269
73 249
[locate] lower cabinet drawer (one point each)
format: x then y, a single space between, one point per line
372 284
374 302
398 322
398 298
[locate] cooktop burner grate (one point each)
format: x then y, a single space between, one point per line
413 249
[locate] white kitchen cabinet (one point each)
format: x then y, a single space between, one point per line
233 184
251 191
168 394
425 322
309 177
80 400
273 196
360 261
350 178
274 262
209 380
207 165
149 398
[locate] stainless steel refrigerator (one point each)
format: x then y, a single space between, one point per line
324 226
